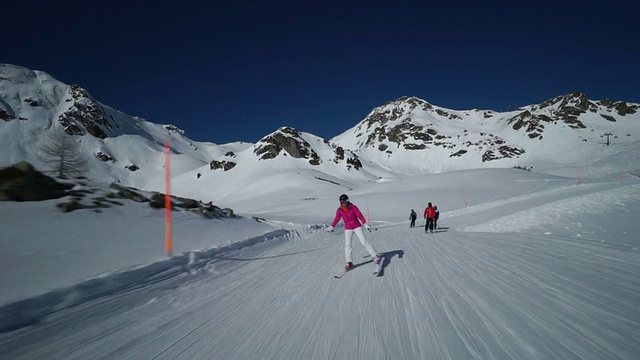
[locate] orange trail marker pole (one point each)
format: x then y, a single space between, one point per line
167 200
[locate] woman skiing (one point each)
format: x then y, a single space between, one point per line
353 222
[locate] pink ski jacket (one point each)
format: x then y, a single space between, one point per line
350 217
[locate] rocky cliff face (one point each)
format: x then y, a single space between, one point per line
288 141
567 109
85 115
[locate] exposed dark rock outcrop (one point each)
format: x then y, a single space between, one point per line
620 107
87 112
458 153
22 182
6 116
289 140
224 165
175 129
354 162
104 157
502 152
31 102
392 127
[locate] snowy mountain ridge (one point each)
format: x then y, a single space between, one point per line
405 137
436 139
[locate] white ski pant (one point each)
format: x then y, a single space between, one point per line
363 241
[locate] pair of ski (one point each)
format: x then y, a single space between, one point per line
376 272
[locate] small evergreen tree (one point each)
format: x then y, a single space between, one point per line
62 155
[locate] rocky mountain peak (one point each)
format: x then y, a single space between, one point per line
28 95
399 124
287 141
85 115
567 109
622 108
576 100
398 109
290 141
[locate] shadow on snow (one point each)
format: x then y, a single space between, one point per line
386 259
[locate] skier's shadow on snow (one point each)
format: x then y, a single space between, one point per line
386 259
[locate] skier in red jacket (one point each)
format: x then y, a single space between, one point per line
430 215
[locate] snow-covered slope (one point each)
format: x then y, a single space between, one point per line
33 103
406 137
528 266
304 165
411 136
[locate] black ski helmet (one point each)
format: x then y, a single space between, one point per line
344 197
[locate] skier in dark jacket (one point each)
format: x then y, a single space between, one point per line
413 218
430 215
435 221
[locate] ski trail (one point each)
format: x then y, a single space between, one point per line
450 295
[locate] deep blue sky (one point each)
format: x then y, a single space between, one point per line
237 70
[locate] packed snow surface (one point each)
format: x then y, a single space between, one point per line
522 266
